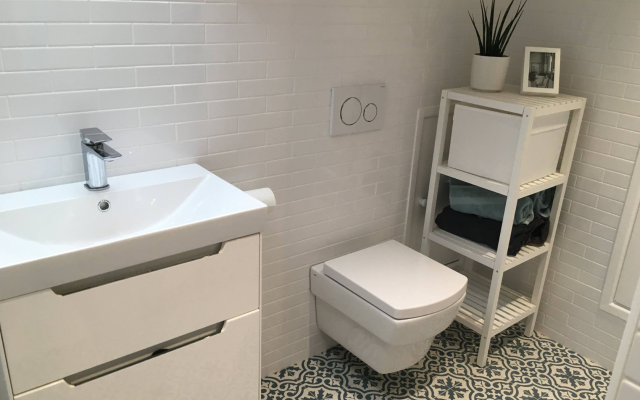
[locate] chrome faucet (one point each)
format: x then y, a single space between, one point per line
95 154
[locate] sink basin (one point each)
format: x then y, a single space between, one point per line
60 234
79 222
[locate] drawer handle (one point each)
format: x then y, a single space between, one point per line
137 270
144 355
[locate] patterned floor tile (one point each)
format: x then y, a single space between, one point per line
519 368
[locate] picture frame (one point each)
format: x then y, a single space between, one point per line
541 72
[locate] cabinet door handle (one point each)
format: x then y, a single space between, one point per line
137 270
144 355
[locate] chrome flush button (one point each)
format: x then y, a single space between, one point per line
370 112
351 111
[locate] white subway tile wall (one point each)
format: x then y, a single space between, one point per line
242 89
600 41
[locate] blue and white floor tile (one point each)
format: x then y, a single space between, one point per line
519 368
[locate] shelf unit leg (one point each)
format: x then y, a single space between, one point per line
487 329
537 293
483 351
503 245
565 168
541 275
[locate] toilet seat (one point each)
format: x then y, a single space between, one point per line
397 280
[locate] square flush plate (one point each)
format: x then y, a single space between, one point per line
357 109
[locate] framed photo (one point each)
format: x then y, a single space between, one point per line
541 74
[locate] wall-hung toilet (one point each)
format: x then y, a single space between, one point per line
386 303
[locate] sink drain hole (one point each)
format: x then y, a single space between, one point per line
104 205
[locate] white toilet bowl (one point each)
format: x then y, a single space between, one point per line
386 303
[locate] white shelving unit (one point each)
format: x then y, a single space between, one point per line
489 308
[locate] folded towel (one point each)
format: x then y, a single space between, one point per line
542 202
487 231
469 199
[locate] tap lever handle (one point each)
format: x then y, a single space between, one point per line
93 136
105 152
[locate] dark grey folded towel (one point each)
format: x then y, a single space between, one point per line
487 231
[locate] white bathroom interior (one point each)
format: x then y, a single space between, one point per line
319 199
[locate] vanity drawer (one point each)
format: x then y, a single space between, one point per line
221 367
48 337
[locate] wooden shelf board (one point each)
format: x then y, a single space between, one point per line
509 100
526 189
481 253
512 308
467 248
541 184
526 253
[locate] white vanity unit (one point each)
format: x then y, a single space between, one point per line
147 291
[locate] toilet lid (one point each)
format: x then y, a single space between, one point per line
398 280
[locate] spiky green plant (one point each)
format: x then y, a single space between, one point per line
495 34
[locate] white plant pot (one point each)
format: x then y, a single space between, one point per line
488 74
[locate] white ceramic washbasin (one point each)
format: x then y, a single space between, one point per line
57 235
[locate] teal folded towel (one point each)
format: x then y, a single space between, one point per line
469 199
542 202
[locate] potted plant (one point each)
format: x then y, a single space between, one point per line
490 65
